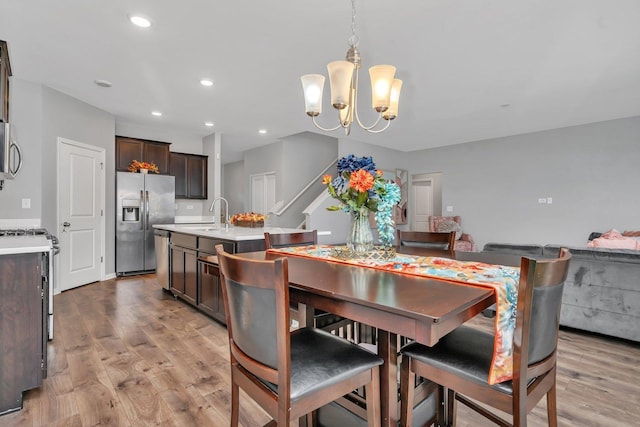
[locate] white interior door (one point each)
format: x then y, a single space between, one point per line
422 202
80 213
263 192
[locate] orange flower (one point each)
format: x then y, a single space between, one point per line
361 180
379 172
326 179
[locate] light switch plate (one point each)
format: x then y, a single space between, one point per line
26 203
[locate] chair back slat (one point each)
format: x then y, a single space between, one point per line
545 318
539 301
427 240
253 334
282 240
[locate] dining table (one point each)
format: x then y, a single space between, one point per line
422 309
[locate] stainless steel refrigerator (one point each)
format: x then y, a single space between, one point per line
142 201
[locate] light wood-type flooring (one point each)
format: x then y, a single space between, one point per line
127 354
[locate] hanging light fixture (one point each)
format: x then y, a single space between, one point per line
343 79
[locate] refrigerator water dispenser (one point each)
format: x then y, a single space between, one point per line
131 210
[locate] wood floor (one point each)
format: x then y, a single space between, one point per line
126 354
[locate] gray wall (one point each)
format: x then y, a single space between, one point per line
296 160
233 184
591 173
67 117
304 156
25 115
262 160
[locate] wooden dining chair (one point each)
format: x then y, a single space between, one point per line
460 362
289 374
428 240
281 240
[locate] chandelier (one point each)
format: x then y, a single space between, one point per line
343 79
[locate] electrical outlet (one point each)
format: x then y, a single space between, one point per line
449 208
542 200
549 200
26 203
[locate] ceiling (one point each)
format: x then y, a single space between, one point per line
472 69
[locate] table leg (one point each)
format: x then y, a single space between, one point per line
388 350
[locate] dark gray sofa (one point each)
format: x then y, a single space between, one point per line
602 291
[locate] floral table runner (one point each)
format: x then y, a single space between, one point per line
502 279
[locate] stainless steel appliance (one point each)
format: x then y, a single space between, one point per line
162 257
19 237
142 201
10 154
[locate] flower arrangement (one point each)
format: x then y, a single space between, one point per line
135 166
361 189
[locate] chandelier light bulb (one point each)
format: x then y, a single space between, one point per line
313 85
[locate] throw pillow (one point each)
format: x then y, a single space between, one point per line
448 226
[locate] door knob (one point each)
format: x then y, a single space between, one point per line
66 224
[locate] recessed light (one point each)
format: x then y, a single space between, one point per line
210 124
206 82
263 131
156 113
140 21
102 83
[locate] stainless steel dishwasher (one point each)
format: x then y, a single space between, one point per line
161 240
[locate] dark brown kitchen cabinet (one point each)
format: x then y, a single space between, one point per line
190 171
195 277
211 301
129 149
184 267
5 73
23 338
209 291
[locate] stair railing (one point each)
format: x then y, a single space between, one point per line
306 187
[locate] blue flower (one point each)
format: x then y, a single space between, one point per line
352 163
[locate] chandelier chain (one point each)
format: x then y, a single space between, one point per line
353 40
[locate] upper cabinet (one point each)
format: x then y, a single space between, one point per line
5 73
190 171
129 149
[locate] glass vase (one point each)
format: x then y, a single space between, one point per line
360 241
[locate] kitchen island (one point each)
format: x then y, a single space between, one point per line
190 243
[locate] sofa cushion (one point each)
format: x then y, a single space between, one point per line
613 239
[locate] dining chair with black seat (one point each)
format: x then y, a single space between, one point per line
289 374
461 361
427 240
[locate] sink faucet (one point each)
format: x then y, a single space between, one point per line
226 210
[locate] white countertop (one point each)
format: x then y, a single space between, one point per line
231 233
23 244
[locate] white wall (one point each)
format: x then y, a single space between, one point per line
591 173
